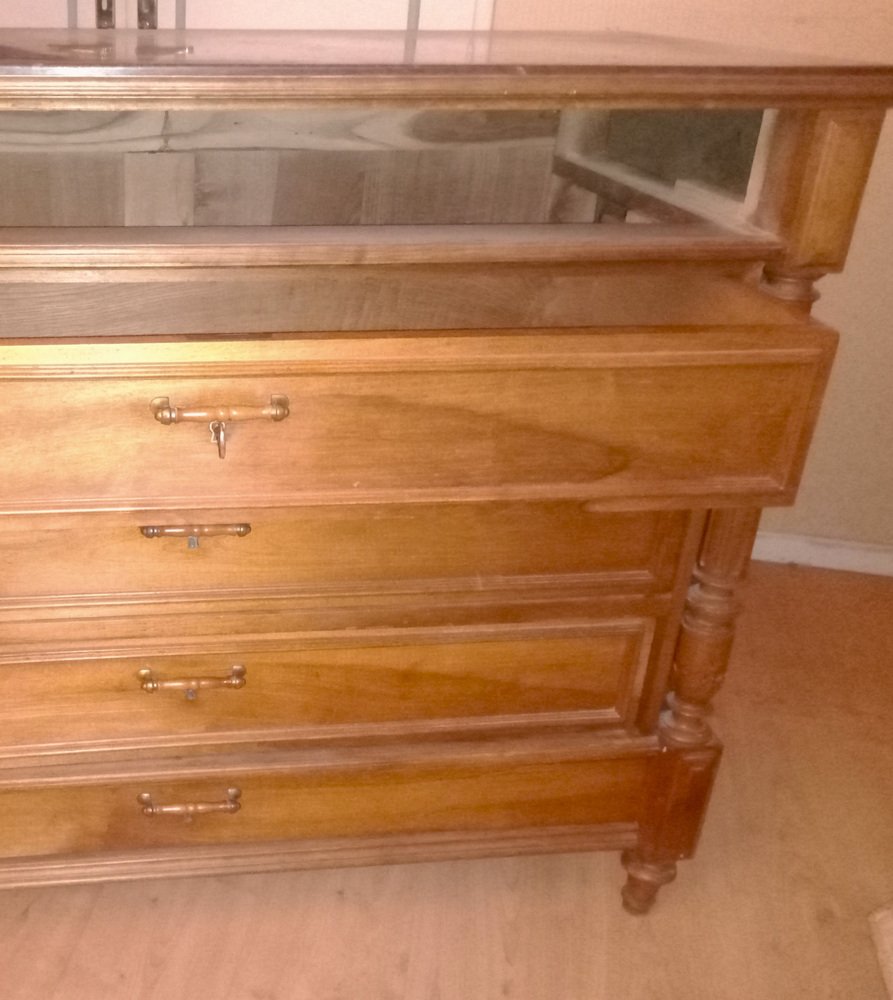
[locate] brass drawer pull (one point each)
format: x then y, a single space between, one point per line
193 532
191 686
217 417
187 810
167 414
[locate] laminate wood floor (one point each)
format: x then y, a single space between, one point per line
796 853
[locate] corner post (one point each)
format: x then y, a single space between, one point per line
708 625
683 770
818 167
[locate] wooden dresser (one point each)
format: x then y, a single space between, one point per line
386 422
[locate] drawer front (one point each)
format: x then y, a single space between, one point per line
489 794
103 557
386 681
600 416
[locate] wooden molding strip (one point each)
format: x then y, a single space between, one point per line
46 69
661 87
663 494
71 752
290 246
35 80
524 349
293 855
543 747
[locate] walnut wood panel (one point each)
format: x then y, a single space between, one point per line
681 782
481 793
679 789
365 684
603 415
214 300
337 550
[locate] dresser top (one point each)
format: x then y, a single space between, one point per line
78 68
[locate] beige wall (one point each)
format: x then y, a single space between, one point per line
847 490
841 27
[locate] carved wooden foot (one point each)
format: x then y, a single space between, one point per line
644 879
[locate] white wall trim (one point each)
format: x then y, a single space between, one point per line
830 553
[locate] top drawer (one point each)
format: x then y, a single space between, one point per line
600 415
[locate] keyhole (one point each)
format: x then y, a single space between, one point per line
218 436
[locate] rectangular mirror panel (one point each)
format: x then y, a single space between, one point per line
390 167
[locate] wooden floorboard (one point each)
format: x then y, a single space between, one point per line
796 854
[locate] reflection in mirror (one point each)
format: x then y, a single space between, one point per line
660 166
346 167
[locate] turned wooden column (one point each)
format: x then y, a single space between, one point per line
705 639
682 773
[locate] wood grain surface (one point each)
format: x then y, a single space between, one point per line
424 681
806 765
705 415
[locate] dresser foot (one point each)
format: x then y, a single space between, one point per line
644 879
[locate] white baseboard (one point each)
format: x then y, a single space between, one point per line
809 550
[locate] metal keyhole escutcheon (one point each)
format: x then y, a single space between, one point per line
218 436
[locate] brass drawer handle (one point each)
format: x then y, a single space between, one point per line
187 810
191 686
167 414
193 532
217 417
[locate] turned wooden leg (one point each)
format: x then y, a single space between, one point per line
682 772
705 639
643 881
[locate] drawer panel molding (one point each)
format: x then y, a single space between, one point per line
280 553
385 683
440 790
604 416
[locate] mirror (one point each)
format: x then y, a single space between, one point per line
356 167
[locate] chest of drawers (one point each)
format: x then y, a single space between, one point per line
361 498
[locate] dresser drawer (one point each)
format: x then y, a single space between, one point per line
373 682
485 790
599 415
243 554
